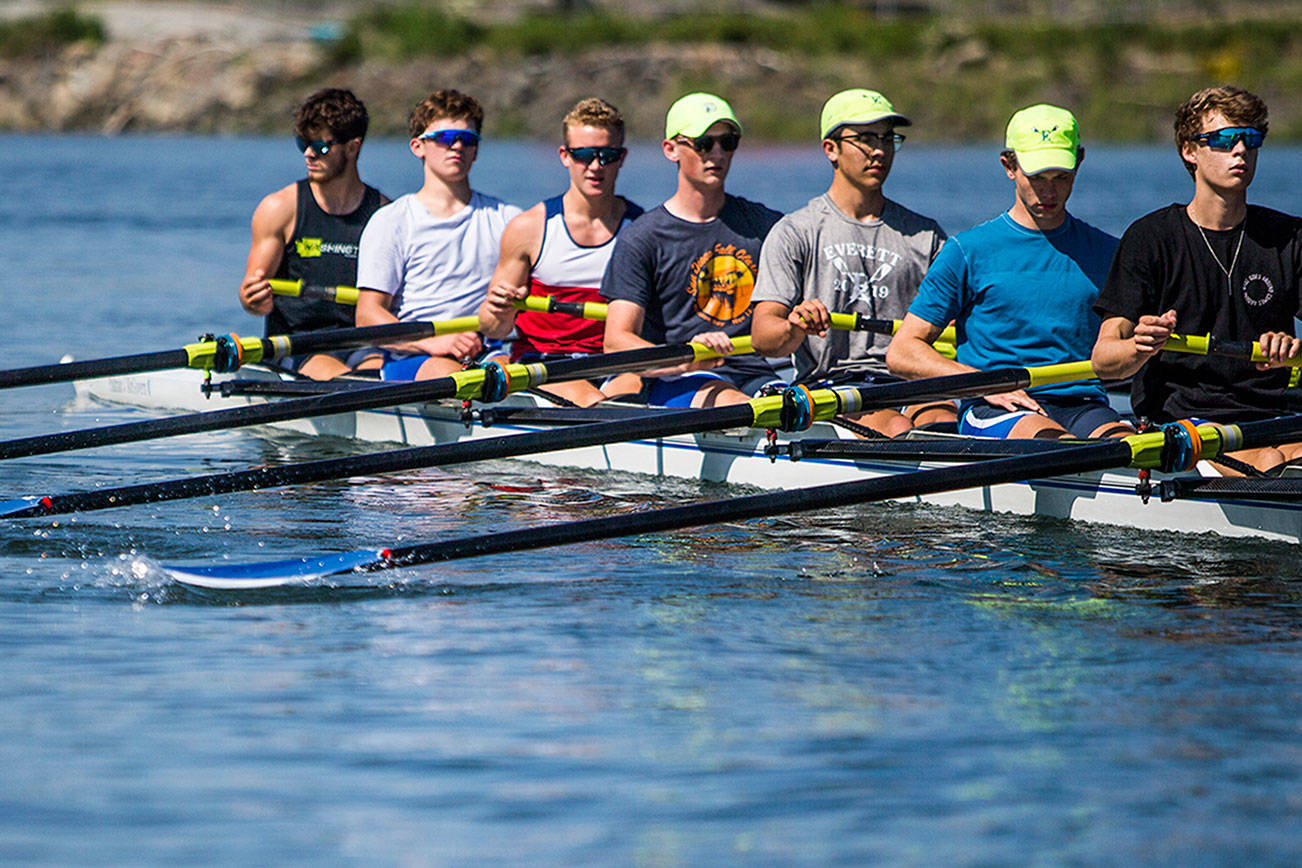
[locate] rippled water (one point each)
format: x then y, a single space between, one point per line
886 684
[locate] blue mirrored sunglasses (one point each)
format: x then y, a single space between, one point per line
603 156
319 147
448 138
1226 139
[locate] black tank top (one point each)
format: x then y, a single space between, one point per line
321 252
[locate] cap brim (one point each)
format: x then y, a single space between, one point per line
1046 159
699 129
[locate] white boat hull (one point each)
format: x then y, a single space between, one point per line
738 456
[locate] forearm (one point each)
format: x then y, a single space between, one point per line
1116 358
775 336
914 358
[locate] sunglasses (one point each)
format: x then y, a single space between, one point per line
603 156
1226 139
888 142
448 138
705 144
319 148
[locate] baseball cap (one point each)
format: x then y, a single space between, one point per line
695 113
1043 137
857 106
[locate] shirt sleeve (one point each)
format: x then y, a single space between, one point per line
379 253
630 273
781 267
942 292
1130 290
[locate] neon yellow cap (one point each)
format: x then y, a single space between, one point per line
695 113
1043 137
857 106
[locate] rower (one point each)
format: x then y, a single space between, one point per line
560 248
685 270
309 232
1215 266
850 249
1020 289
429 255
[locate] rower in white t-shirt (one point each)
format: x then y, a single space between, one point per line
430 254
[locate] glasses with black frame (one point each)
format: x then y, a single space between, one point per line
705 144
876 141
1226 138
448 138
603 155
319 148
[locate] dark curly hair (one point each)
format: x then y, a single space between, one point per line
334 109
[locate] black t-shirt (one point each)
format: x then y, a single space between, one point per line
1166 262
693 277
322 251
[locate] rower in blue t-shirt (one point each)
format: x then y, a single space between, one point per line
1020 290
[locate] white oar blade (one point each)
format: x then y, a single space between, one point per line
270 574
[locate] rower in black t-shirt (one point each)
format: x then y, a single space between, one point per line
1216 266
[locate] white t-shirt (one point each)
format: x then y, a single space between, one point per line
435 267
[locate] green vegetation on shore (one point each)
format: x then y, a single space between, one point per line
44 34
959 77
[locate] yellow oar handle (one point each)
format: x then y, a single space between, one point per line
740 346
550 304
1066 372
297 289
854 322
1206 345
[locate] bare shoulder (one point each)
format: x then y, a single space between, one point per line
277 210
525 231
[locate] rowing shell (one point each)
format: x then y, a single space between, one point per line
1242 508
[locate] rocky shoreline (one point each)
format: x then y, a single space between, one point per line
222 67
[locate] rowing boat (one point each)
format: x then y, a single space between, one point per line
827 452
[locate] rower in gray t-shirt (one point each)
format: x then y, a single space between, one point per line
871 268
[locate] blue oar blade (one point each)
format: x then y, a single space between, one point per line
20 506
271 574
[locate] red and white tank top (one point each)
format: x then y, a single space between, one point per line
570 272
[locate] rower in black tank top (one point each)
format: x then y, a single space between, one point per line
321 252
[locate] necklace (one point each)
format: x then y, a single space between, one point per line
1229 281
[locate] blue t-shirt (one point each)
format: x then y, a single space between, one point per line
1020 297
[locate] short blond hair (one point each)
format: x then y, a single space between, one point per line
593 112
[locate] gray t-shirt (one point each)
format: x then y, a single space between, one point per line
868 268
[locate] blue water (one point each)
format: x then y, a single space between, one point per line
889 684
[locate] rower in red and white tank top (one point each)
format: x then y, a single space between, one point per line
570 272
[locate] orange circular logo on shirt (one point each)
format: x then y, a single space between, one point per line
722 280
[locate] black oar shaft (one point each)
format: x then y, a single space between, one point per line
649 426
385 395
64 372
1073 459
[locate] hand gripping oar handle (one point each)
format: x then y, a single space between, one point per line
1207 345
769 411
231 351
462 384
1135 450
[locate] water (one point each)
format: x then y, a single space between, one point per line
890 684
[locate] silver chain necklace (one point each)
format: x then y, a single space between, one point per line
1229 281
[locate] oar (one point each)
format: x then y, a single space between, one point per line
1207 345
489 383
1138 450
797 409
228 352
588 310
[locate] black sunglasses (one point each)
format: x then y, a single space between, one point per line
603 156
447 138
705 144
320 147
